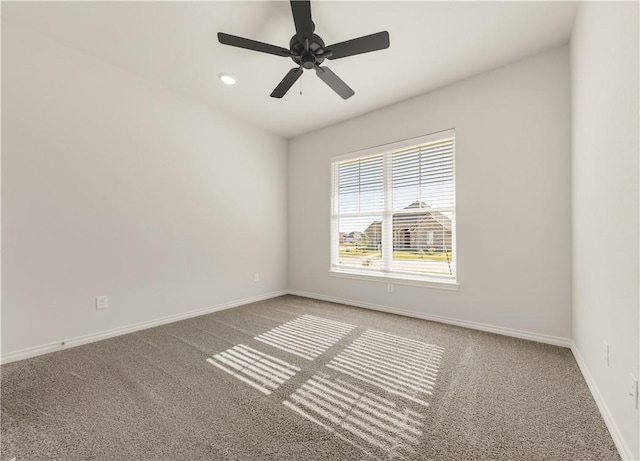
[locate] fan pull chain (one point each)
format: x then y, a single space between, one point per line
300 87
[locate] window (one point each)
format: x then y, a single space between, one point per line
393 211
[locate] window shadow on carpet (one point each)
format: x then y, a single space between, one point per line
362 418
400 366
306 336
373 394
261 371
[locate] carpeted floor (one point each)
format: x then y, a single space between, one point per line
297 379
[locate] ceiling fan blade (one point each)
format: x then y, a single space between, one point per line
249 44
336 84
301 10
373 42
287 82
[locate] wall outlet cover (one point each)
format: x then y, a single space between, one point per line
102 302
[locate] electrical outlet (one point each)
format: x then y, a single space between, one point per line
102 302
605 352
256 277
633 390
389 287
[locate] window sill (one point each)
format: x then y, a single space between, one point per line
396 279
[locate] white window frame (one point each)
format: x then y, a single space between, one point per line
386 275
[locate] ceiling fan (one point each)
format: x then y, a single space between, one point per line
308 50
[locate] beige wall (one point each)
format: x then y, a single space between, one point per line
604 68
113 185
513 189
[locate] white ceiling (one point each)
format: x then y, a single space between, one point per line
174 43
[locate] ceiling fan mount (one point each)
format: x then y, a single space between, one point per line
310 58
308 50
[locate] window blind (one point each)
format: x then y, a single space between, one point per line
394 212
361 185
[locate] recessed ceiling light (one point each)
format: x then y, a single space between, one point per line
228 79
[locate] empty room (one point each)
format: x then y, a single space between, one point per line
320 230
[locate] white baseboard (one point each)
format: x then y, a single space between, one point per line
93 337
547 339
616 435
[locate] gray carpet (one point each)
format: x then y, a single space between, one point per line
296 379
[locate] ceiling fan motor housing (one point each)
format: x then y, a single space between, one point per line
307 59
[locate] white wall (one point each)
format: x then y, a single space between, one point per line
604 67
114 185
513 197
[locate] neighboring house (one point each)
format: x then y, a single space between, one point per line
351 237
373 235
426 230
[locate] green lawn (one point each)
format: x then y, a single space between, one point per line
406 255
424 257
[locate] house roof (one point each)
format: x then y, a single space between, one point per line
424 216
413 220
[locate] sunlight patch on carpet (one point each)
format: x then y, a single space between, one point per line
370 422
261 371
306 336
398 365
